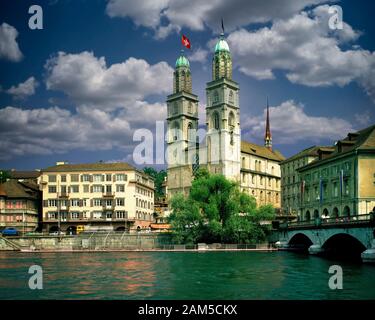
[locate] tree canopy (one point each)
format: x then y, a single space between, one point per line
158 177
217 211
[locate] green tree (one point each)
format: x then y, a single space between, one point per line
158 177
185 219
4 175
225 213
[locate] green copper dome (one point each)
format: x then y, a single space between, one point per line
222 45
182 62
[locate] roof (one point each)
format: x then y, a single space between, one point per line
261 151
361 140
222 45
99 166
308 152
15 189
24 174
182 61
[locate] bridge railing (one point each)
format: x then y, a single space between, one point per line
317 222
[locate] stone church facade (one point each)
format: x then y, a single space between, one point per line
219 149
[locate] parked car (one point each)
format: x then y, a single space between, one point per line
10 232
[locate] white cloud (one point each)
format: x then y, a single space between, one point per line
87 80
307 50
164 16
9 49
290 124
199 55
24 89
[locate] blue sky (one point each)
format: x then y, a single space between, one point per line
99 70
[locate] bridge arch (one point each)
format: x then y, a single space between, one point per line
346 211
307 215
344 245
300 241
335 212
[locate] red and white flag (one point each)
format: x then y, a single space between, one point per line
185 41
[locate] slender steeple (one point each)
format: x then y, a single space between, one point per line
268 136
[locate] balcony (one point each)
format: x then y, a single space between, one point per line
64 195
108 194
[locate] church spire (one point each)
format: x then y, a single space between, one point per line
268 136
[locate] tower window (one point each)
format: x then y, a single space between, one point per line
216 97
190 108
231 100
216 120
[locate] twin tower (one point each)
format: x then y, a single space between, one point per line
216 148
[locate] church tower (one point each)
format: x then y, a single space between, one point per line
268 136
223 137
182 120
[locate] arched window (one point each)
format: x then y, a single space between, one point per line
190 107
175 131
216 121
231 100
190 132
231 121
175 108
216 97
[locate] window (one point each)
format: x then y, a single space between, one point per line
97 202
52 203
121 215
52 178
97 214
231 99
190 107
51 189
52 215
108 188
108 177
75 202
120 202
86 188
74 177
75 215
63 178
74 189
231 121
97 188
216 121
216 97
63 189
120 188
175 108
108 202
85 178
120 177
98 178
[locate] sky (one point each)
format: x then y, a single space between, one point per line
79 88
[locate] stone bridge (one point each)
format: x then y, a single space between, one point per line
348 238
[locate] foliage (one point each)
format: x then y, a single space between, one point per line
4 175
158 179
217 211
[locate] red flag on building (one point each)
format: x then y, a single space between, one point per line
185 42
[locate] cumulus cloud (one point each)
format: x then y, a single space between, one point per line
56 130
307 50
165 16
291 124
199 55
88 80
24 89
9 49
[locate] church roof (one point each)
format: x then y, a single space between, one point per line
261 151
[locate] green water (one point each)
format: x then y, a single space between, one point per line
176 275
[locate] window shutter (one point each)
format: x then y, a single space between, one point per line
91 189
114 178
45 203
91 203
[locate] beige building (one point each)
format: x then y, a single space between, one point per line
256 168
110 196
341 181
290 181
260 173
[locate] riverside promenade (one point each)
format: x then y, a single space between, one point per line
115 241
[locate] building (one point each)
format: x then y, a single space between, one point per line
341 181
19 205
260 173
30 176
290 182
256 168
109 196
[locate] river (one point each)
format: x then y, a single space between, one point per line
181 275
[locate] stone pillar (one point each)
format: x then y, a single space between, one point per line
316 249
368 256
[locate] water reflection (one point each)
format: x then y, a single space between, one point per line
173 275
